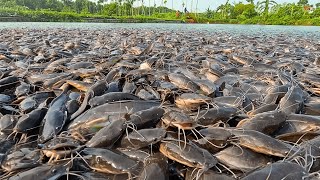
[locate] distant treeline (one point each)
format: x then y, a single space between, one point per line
114 8
264 12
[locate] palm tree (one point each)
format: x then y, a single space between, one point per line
100 6
183 6
303 2
165 3
197 7
161 6
124 7
138 9
263 6
250 1
191 6
119 7
224 8
292 5
143 11
171 4
130 2
149 8
187 4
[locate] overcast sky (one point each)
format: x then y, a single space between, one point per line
204 4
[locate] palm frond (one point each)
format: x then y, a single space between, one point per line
273 2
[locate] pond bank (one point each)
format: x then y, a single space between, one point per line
90 20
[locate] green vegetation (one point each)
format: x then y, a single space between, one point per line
264 12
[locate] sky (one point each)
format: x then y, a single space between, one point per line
204 4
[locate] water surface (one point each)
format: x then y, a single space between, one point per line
234 29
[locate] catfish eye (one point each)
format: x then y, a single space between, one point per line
98 159
54 171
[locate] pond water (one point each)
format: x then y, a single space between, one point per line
235 29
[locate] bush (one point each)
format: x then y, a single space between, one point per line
42 15
316 21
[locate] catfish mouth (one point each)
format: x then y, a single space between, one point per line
185 126
60 150
13 166
171 154
182 125
62 147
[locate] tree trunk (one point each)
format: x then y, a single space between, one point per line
138 9
266 10
162 4
191 10
187 4
142 5
149 7
120 9
197 7
172 4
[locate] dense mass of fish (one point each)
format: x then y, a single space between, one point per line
151 104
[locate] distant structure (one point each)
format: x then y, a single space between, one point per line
185 10
308 8
177 14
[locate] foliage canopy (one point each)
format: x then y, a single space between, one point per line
264 12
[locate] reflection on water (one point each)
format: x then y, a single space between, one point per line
239 29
